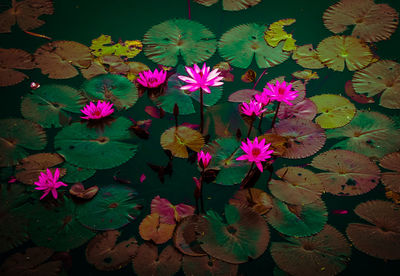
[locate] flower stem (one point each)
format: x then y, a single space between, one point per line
190 16
259 123
259 78
253 117
201 192
276 114
201 112
247 175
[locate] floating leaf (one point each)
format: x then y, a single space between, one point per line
165 42
148 262
304 138
11 59
186 238
336 51
382 76
47 104
177 139
373 22
359 98
326 253
307 57
151 228
276 34
79 190
278 143
17 134
113 207
103 252
169 213
29 168
117 89
225 71
57 228
31 262
256 199
76 174
370 133
298 220
241 43
336 111
305 75
82 146
381 238
244 95
306 109
391 179
231 5
224 152
58 58
25 14
244 236
298 186
103 46
349 173
249 76
207 266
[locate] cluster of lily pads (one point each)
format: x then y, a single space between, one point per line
282 123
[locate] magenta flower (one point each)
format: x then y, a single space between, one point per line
254 108
203 159
281 92
201 78
262 98
255 152
93 112
48 183
152 79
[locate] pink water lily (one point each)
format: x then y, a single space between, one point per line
48 183
151 79
201 78
94 112
281 92
253 108
255 152
262 98
203 159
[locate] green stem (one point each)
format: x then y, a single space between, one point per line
201 112
259 123
276 114
253 117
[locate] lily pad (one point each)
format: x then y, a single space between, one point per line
245 235
76 174
391 179
177 139
256 199
241 43
151 228
48 104
82 146
165 42
113 207
207 266
17 134
114 88
186 238
307 57
58 227
298 220
11 59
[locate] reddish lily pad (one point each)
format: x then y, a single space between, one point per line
11 59
186 238
207 266
151 228
391 179
256 199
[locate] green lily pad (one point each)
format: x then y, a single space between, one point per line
58 227
224 152
47 105
76 174
164 42
244 236
114 88
88 148
113 207
370 133
298 220
15 136
241 43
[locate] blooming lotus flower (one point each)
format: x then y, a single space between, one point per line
48 183
151 79
255 152
201 79
103 109
254 108
262 98
203 159
281 92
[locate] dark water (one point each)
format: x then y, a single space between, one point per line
83 20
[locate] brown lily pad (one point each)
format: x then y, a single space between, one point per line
177 139
391 179
152 229
256 199
79 190
11 59
207 266
185 236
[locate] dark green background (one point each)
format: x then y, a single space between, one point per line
85 20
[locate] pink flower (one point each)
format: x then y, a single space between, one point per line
152 79
48 183
262 98
201 79
281 92
254 108
255 152
203 159
103 109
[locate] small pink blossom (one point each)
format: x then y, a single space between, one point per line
254 108
48 183
203 159
151 79
142 178
93 112
34 85
262 98
281 92
201 79
255 152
